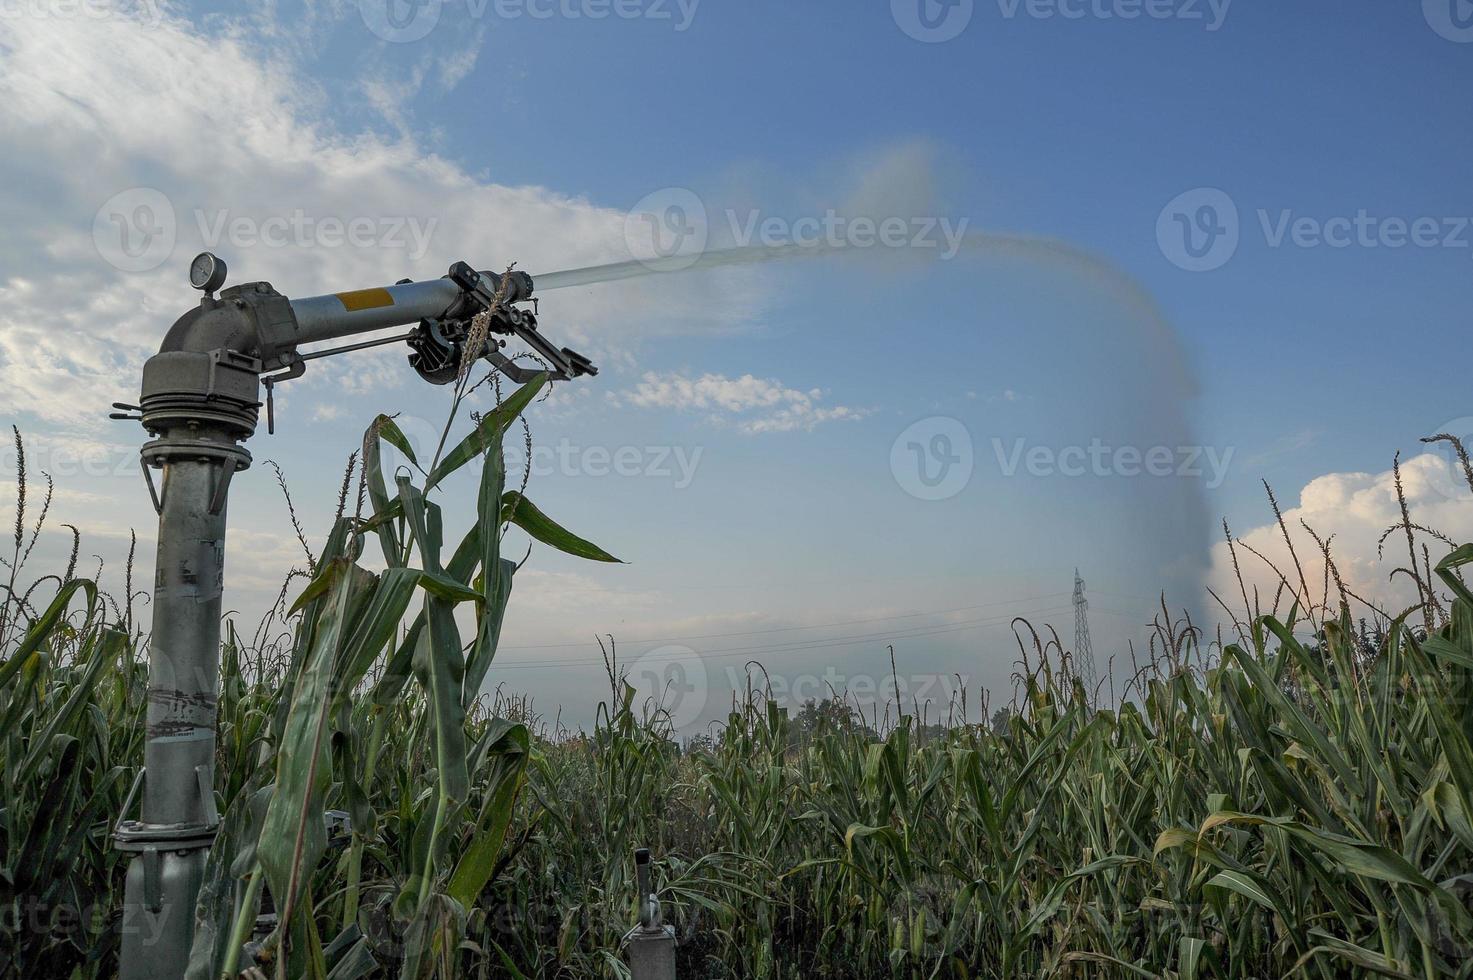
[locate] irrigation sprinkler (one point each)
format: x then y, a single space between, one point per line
651 943
201 398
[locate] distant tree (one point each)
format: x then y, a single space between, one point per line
702 742
830 714
932 732
830 711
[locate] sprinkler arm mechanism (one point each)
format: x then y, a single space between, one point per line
439 342
483 288
255 320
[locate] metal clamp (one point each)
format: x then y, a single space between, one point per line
229 458
158 504
136 835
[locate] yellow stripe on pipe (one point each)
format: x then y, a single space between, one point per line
365 299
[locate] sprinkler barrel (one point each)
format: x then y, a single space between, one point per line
254 317
342 314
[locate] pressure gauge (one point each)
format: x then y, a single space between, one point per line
207 272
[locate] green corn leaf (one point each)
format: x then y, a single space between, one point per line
374 630
33 866
488 433
510 746
438 661
40 631
383 429
443 586
1247 885
1446 806
488 634
400 667
1447 571
1304 729
1358 956
292 836
524 514
496 573
1189 956
1356 857
105 651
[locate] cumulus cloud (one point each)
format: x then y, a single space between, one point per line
753 404
1352 511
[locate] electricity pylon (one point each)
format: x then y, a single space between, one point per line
1084 654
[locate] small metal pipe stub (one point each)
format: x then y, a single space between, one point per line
650 945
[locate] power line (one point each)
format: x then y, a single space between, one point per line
818 644
790 629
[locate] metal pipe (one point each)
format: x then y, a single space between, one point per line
364 310
183 679
179 815
342 314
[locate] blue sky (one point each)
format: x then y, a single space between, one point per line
787 386
1077 129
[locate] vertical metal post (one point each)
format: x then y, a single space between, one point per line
183 681
200 405
651 944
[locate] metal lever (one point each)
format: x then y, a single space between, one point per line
295 367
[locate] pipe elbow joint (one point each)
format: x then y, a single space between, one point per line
251 319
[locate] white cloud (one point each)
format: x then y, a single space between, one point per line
542 592
1356 509
221 128
390 89
754 404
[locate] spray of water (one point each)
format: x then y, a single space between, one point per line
1063 257
1143 400
709 259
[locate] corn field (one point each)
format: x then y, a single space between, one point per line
1293 800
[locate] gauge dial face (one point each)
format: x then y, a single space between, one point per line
206 272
